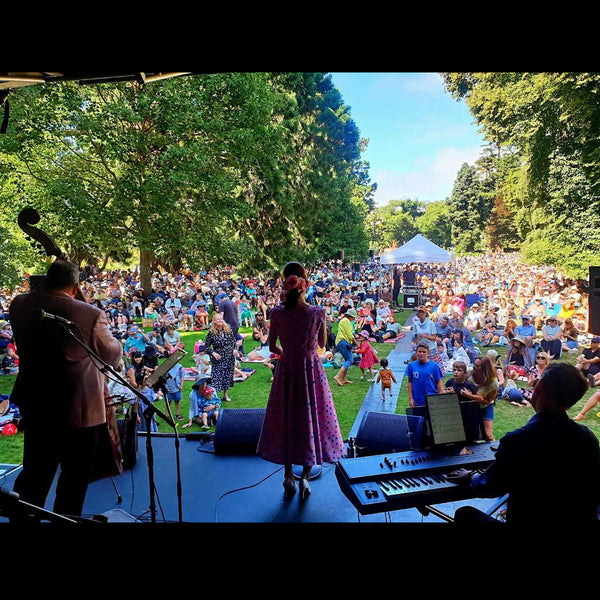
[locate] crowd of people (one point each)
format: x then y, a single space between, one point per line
466 305
491 321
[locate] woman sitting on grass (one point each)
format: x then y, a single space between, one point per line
518 358
260 330
173 340
569 336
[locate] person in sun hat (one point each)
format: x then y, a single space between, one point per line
204 403
518 358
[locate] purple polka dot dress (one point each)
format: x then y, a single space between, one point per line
300 425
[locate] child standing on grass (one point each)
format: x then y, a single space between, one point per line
385 376
368 356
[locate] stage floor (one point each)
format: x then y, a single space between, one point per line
219 488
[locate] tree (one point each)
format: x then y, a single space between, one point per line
232 168
553 190
435 223
466 202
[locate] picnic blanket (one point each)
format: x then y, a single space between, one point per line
191 374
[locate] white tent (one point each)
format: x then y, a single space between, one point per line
419 249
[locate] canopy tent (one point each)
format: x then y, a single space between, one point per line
419 249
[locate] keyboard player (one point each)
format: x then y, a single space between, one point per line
550 468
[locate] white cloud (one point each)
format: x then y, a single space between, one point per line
431 179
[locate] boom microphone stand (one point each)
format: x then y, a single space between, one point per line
162 384
149 412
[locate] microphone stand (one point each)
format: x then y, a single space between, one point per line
11 504
162 384
149 412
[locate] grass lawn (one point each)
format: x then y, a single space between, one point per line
254 392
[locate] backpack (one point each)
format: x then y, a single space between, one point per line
338 360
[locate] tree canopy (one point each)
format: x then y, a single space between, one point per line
251 169
536 187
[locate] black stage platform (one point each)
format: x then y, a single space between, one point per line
217 488
223 489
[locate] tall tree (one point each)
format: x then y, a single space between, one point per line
466 209
552 120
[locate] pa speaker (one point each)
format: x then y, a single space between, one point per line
238 430
594 301
386 432
410 300
340 255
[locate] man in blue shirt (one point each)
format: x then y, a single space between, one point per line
424 377
136 340
526 330
443 328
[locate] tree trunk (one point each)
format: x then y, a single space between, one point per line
146 258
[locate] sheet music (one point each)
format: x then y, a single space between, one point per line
445 419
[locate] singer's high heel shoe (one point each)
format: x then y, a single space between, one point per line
289 485
304 489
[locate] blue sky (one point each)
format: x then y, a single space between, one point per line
419 136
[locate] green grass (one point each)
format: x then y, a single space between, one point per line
254 393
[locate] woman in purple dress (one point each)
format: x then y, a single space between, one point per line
300 425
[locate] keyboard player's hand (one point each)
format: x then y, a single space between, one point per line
460 476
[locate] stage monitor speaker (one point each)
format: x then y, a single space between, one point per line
410 300
340 255
238 430
387 432
594 301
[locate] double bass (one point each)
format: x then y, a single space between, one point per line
108 461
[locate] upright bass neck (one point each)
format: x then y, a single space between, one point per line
40 240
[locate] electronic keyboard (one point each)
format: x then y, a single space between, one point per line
409 479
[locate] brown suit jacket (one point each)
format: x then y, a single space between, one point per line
58 382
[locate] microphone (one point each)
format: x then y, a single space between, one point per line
62 320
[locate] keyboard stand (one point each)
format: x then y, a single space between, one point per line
425 510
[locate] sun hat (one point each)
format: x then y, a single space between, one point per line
4 406
351 313
202 379
364 333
